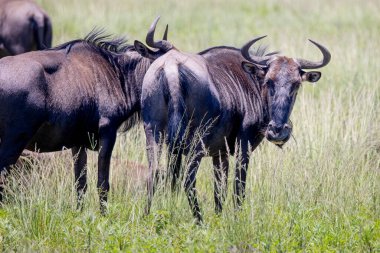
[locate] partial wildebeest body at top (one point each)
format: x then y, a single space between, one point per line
75 96
24 27
238 105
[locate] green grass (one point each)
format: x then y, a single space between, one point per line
320 193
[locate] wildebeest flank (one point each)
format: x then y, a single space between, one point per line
74 96
239 102
24 27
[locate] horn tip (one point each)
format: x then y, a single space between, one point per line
262 37
156 20
165 37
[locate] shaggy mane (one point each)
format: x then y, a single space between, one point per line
103 43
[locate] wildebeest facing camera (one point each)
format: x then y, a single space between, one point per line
228 92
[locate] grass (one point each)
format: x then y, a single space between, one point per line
320 193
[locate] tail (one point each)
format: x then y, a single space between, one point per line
177 123
43 31
177 118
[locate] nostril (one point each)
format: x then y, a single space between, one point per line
270 124
277 129
287 126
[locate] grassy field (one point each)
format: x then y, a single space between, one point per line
320 193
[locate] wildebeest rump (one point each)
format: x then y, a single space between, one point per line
74 96
24 27
238 102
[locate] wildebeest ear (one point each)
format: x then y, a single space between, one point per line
143 50
311 76
252 69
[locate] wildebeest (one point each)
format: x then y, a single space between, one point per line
24 27
238 100
75 96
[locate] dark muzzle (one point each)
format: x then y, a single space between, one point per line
278 133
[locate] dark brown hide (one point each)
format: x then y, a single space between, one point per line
210 92
183 93
24 27
74 96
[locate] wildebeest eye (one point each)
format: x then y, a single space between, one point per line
296 84
294 89
270 83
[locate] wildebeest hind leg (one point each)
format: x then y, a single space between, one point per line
190 183
153 148
220 180
107 137
174 165
18 48
80 172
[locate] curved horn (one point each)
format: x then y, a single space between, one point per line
305 64
166 33
161 44
259 60
150 35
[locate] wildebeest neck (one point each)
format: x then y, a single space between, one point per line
243 93
128 67
133 67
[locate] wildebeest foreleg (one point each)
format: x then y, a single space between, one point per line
107 137
241 174
11 147
3 172
220 180
190 183
80 172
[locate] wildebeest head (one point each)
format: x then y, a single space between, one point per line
281 77
161 46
